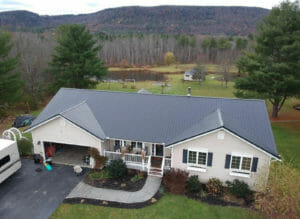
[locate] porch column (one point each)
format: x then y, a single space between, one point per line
143 155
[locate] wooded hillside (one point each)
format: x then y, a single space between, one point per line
161 19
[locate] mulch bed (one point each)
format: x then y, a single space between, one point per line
151 201
220 200
124 183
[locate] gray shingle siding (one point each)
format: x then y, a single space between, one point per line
160 118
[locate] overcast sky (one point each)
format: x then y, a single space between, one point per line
55 7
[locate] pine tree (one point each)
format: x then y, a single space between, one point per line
10 83
75 63
274 66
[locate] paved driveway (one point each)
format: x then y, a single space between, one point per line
31 194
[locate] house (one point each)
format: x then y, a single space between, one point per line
209 137
188 75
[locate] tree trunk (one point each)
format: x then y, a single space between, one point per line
275 109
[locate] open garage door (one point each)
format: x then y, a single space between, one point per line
67 154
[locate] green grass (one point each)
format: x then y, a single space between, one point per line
211 87
170 206
174 68
99 175
287 137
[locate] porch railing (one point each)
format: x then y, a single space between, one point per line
133 158
167 163
112 155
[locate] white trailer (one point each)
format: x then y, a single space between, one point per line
9 158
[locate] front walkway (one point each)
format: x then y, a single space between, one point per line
150 188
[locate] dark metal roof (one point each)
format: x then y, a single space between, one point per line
160 118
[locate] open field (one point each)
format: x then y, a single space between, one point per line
170 206
174 68
211 87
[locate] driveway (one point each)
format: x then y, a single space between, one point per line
31 194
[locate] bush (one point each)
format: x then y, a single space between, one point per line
281 197
193 184
103 174
214 187
175 181
99 160
25 147
239 188
136 178
117 168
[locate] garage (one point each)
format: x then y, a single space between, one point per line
67 154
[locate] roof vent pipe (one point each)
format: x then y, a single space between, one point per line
189 91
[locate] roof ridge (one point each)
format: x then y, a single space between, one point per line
165 95
73 107
220 117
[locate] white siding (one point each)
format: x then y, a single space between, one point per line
62 131
220 148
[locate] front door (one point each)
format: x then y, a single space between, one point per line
157 150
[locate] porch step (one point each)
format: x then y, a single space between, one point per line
155 168
157 174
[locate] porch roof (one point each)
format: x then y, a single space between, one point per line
160 118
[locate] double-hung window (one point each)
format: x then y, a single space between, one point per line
240 164
197 159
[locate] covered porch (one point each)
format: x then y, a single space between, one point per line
151 157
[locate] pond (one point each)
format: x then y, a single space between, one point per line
142 75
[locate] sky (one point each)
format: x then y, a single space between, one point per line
58 7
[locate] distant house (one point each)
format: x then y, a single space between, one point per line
188 75
209 137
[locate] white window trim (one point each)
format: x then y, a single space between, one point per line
196 166
240 171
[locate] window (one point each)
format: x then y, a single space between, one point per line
246 163
235 163
4 160
197 158
192 157
202 158
241 163
133 144
139 145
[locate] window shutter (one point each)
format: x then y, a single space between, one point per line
254 164
184 156
209 159
227 161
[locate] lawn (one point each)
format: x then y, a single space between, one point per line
170 206
211 87
174 68
287 137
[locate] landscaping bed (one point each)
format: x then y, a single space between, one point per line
133 181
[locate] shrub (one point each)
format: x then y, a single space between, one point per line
281 197
25 147
239 188
214 187
99 160
136 178
175 181
99 174
117 168
193 184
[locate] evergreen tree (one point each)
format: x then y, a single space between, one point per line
75 63
10 83
274 66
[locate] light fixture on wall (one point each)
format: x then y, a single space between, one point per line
39 142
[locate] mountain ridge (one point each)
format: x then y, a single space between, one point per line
206 20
